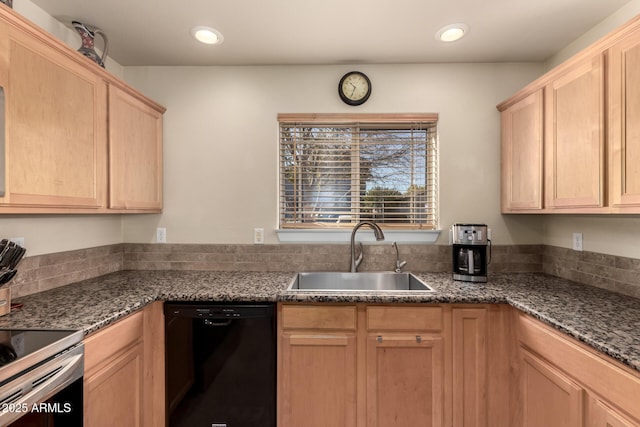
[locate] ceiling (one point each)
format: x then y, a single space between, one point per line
266 32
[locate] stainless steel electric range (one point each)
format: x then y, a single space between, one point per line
41 377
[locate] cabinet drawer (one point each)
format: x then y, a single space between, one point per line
319 317
105 344
404 318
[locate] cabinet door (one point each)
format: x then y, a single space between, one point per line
574 137
601 415
318 380
404 380
469 367
56 140
624 122
522 154
113 396
548 397
135 153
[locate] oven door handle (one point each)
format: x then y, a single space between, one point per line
39 385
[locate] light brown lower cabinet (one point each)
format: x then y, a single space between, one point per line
405 370
474 365
317 366
382 365
470 346
601 415
566 383
549 398
387 365
404 380
124 372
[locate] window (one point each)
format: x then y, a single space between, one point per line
338 170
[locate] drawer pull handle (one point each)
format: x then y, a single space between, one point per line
418 339
379 339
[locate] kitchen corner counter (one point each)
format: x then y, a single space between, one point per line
607 321
92 304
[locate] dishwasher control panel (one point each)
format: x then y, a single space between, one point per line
218 311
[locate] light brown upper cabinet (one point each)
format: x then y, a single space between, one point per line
574 136
522 133
590 131
76 138
624 122
55 148
135 152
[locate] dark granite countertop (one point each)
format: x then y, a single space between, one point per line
605 320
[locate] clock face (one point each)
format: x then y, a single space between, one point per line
354 88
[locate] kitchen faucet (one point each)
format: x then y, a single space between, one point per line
377 231
399 264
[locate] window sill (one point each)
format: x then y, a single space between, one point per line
364 235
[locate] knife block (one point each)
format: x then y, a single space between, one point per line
5 300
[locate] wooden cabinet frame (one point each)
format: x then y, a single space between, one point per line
398 362
69 149
470 365
591 132
124 371
574 136
607 391
623 71
522 154
459 360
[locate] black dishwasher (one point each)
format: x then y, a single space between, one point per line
220 364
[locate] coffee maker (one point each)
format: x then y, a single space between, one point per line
470 257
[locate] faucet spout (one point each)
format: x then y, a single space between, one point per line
377 231
399 263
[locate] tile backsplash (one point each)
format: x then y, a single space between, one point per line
316 257
42 272
615 273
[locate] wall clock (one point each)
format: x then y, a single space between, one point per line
354 88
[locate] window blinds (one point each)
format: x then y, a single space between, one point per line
335 172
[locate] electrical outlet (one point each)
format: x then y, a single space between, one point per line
161 235
18 241
577 241
258 236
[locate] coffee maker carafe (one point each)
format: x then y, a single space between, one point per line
470 258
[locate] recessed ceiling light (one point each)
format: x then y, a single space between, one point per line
207 35
452 32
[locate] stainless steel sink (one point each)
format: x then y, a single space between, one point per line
365 281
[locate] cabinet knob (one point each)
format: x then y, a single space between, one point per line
379 339
418 339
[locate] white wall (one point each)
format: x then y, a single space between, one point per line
204 139
615 20
617 235
221 141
